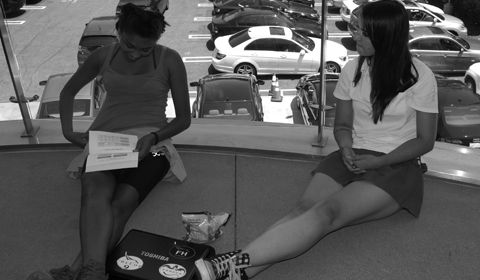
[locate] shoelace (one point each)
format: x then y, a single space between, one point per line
224 264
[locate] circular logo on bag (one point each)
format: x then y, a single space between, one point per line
129 262
172 271
181 251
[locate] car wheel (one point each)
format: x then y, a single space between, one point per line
470 84
246 68
332 67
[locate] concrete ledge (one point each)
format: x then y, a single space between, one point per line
446 161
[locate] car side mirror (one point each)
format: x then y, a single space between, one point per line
260 82
42 83
194 84
302 52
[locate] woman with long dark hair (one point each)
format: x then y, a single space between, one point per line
138 75
385 120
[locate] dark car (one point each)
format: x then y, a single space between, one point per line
228 96
459 114
12 6
159 6
306 99
293 9
310 3
458 106
98 32
243 18
442 51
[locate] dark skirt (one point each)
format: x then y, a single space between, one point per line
150 171
402 181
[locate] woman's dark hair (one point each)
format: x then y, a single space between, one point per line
146 24
387 26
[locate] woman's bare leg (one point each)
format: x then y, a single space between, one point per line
96 214
124 203
356 203
318 189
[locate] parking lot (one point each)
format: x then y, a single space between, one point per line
52 49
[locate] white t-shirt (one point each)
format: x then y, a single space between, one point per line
398 124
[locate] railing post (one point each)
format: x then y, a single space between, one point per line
16 76
321 139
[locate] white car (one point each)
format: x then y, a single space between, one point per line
420 16
350 5
472 77
267 50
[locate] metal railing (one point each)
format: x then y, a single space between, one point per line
14 70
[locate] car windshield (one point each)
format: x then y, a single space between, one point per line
238 38
97 41
460 105
227 89
303 40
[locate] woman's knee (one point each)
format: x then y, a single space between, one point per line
97 188
328 212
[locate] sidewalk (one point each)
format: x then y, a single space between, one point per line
278 112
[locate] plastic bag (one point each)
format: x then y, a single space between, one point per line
203 227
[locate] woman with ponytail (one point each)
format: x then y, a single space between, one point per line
138 75
386 118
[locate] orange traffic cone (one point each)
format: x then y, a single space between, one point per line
274 85
277 94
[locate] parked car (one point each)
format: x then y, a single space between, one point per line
307 101
310 3
264 50
472 77
293 9
228 96
419 16
244 18
351 5
12 7
98 32
159 6
442 51
87 102
459 108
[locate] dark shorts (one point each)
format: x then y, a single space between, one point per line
403 181
150 171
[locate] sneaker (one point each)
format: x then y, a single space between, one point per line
225 266
92 270
63 273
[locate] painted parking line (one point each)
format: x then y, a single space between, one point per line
33 7
15 22
201 19
205 5
190 59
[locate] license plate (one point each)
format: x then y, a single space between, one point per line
475 145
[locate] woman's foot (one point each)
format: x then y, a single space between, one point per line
227 266
63 273
92 270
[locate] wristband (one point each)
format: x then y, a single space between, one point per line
156 137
